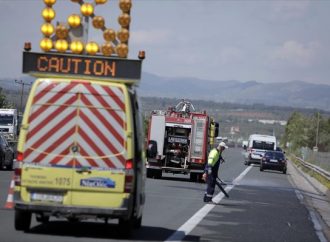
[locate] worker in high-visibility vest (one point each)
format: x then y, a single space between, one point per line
211 170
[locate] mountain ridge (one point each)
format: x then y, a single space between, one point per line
292 93
295 93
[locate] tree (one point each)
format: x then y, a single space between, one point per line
301 131
296 131
3 101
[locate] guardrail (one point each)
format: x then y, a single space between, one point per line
325 174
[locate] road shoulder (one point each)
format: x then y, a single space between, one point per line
315 196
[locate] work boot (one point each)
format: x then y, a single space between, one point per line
207 198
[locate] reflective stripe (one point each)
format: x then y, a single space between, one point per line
88 116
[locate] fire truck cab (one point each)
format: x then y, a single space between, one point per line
179 140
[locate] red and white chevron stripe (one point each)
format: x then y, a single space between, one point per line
78 114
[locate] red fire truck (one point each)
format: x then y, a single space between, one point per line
179 140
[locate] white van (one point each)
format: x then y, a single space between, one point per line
257 145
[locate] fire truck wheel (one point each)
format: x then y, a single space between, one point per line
22 220
193 177
150 173
158 174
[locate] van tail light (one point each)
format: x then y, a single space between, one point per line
18 169
129 176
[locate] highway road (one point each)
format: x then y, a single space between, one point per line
263 206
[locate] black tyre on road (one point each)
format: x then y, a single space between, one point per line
22 220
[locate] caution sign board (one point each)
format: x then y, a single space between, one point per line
82 65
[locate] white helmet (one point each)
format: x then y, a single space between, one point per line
222 144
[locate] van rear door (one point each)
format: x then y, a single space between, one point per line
101 153
76 143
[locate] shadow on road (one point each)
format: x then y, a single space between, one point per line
101 231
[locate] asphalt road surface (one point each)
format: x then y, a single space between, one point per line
263 206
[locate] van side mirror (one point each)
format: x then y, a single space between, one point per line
152 149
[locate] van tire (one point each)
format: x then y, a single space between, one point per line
42 218
137 222
125 227
22 220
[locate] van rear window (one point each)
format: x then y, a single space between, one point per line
262 145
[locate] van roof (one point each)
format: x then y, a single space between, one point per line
262 137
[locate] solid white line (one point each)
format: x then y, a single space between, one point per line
314 218
188 226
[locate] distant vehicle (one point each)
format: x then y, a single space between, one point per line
257 146
179 141
8 124
6 154
273 160
220 138
245 144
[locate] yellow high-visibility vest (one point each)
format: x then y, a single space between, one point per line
213 157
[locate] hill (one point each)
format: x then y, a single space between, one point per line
287 94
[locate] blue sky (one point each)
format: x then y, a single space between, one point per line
264 40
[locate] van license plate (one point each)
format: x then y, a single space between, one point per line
47 197
272 160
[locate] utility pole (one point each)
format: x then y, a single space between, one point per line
22 92
317 130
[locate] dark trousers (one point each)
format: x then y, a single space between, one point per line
211 180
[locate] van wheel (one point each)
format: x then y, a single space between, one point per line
42 218
125 227
261 168
284 171
137 222
22 220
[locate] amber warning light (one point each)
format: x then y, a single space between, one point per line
83 65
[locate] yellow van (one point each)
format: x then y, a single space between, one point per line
80 153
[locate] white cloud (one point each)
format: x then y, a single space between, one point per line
293 52
229 55
152 37
288 10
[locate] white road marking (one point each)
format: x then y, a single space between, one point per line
191 223
314 218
